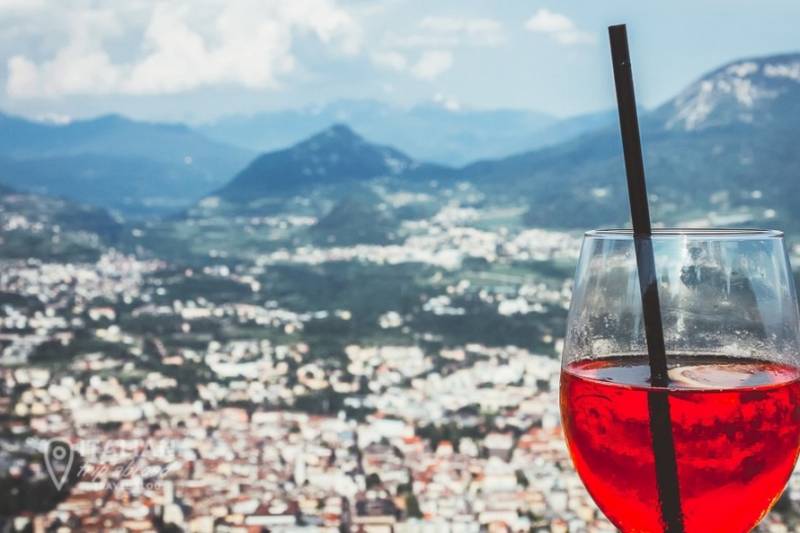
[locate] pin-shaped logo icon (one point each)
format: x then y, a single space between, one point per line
58 460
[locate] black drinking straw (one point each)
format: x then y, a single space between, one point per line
658 401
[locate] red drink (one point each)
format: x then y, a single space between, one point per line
735 426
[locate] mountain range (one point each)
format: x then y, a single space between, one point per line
144 168
722 152
114 162
453 135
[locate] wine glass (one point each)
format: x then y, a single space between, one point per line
732 336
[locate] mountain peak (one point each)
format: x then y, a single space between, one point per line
336 135
340 130
742 91
334 155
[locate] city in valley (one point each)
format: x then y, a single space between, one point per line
406 386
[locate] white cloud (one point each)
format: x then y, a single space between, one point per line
447 102
436 36
390 60
471 31
82 65
547 21
432 64
185 44
559 27
449 32
23 77
20 5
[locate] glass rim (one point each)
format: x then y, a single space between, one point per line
693 233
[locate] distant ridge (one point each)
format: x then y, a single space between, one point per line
334 156
722 152
453 135
115 162
757 90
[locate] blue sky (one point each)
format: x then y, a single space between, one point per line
196 59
